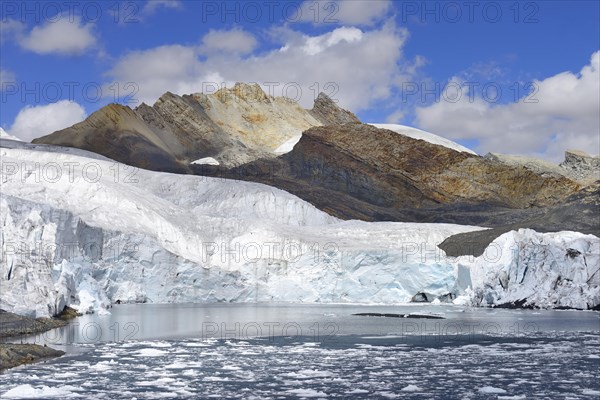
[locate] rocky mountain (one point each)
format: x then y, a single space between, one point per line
328 158
232 126
328 113
582 166
357 171
577 165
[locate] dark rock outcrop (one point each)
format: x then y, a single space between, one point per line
421 298
581 165
14 325
13 355
390 315
579 212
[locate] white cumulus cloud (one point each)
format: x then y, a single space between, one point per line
64 36
345 12
152 6
33 122
6 77
315 45
354 66
10 28
564 113
235 41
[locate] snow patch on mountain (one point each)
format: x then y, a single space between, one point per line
5 135
426 136
288 145
206 161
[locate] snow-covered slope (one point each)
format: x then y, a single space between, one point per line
5 135
86 232
428 137
547 270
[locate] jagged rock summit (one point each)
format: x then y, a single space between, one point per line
582 166
232 126
577 165
328 112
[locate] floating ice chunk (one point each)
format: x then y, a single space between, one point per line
491 390
151 353
411 388
27 391
306 393
590 392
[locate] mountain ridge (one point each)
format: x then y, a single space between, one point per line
233 126
326 156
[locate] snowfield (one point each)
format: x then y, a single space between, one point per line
423 135
88 232
414 133
5 135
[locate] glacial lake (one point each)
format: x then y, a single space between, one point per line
316 351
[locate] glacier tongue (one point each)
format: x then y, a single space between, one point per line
546 270
89 232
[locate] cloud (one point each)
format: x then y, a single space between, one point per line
6 77
396 117
345 12
152 5
234 41
10 28
33 122
562 114
64 36
317 44
354 66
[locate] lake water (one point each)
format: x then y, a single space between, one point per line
317 351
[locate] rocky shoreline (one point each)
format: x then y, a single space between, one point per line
14 354
14 326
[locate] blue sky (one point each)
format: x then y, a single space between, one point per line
387 61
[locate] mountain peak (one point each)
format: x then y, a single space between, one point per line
249 92
329 113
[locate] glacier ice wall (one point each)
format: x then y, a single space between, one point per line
547 270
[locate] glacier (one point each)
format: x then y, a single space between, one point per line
528 268
90 232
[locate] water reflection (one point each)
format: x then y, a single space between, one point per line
128 322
